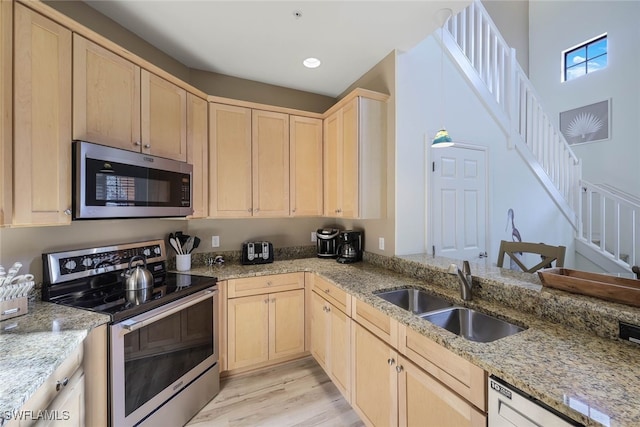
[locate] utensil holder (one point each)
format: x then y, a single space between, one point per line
183 262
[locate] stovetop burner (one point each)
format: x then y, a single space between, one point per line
103 291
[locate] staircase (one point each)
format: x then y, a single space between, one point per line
610 231
475 44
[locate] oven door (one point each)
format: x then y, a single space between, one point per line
160 354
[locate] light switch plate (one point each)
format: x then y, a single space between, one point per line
314 237
215 241
381 243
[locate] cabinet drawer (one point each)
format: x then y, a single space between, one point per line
264 284
48 391
377 322
333 294
462 376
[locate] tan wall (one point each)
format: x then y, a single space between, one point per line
282 232
28 244
248 90
91 18
381 78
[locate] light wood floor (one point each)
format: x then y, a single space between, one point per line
298 393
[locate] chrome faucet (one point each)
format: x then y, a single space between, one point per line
464 278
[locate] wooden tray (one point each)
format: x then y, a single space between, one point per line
610 288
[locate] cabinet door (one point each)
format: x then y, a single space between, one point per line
164 117
42 120
198 153
6 110
332 159
68 406
319 330
229 161
340 350
375 381
306 166
425 401
286 323
350 160
270 160
248 331
106 96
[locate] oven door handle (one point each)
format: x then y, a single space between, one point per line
138 322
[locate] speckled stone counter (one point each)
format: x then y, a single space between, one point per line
34 345
566 357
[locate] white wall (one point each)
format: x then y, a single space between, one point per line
558 25
511 183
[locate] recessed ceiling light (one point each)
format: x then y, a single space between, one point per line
311 62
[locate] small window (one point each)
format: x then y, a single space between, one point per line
585 58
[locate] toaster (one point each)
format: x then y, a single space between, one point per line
257 253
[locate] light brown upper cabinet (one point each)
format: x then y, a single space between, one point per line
42 120
106 96
198 153
229 161
305 166
270 154
164 118
6 110
249 162
115 103
355 160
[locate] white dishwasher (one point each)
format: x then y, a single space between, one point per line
510 407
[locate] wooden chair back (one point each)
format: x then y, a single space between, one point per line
547 253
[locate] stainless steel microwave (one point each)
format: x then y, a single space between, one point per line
113 183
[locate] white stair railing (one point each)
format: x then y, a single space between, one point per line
490 61
611 223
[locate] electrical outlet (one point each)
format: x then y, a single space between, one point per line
215 241
314 236
381 243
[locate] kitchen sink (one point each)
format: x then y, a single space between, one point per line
415 300
472 325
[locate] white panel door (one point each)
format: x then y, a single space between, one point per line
458 202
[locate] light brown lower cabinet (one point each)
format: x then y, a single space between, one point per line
389 390
331 342
265 327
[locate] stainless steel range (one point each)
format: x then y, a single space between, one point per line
163 351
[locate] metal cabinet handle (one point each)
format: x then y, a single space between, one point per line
67 212
399 368
62 383
391 361
273 300
269 283
328 309
256 210
137 143
147 145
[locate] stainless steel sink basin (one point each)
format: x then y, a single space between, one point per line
415 300
472 325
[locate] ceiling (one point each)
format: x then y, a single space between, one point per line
265 41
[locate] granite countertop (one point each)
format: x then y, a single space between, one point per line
34 345
567 357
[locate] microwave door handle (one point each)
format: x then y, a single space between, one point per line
133 324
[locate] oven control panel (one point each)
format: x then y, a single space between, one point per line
63 266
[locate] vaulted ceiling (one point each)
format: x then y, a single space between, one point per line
267 41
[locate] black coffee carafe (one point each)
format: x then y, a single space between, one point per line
350 246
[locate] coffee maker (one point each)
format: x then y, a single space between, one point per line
327 242
350 246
